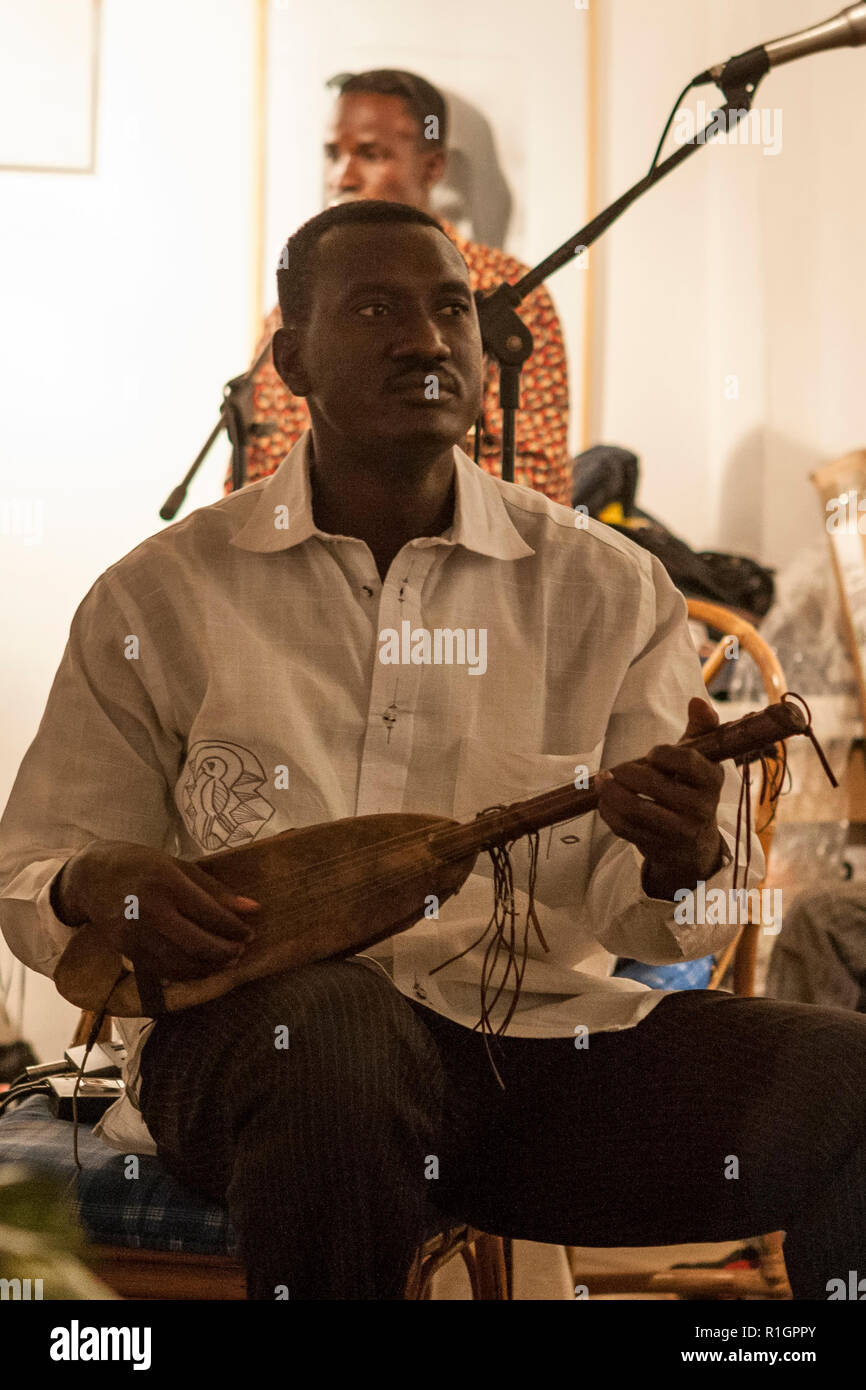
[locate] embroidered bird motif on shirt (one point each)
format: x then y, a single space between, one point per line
221 799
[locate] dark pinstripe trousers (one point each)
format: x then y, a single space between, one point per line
340 1123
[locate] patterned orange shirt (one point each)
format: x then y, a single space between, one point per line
541 461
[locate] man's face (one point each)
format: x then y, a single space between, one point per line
374 149
390 356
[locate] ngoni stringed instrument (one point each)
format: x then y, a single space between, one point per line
331 890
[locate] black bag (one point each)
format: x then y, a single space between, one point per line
606 475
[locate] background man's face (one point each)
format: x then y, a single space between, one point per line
391 307
374 148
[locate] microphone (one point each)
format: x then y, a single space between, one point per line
847 29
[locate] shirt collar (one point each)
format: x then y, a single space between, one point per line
283 515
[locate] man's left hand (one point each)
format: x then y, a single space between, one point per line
666 805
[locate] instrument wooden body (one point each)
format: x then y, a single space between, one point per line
333 889
302 920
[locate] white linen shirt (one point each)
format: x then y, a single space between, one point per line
223 682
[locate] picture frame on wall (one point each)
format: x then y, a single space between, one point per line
49 84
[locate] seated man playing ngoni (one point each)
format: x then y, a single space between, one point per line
257 700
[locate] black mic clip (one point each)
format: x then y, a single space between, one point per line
739 77
504 335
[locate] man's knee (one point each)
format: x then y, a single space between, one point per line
346 1088
340 1004
817 1061
330 1031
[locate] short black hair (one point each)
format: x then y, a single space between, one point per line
422 98
295 270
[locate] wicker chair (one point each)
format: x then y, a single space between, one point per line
770 1280
744 949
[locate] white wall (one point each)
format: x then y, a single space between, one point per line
740 263
125 307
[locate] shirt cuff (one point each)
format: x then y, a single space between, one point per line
696 938
59 932
647 929
32 930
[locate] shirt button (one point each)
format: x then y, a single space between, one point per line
367 590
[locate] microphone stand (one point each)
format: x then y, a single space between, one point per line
232 421
505 336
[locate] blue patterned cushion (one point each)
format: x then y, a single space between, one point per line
150 1212
687 974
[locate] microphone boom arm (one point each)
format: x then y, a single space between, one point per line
504 334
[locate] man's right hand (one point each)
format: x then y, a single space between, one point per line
188 924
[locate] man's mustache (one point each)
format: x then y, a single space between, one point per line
425 369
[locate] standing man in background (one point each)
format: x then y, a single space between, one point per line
386 139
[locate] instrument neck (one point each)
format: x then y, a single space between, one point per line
502 824
743 740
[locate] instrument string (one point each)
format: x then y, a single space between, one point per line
317 885
773 771
455 841
452 842
495 830
502 926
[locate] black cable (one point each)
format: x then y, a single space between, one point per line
683 93
32 1088
30 1083
88 1048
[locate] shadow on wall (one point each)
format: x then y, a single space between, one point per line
473 193
741 502
768 507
